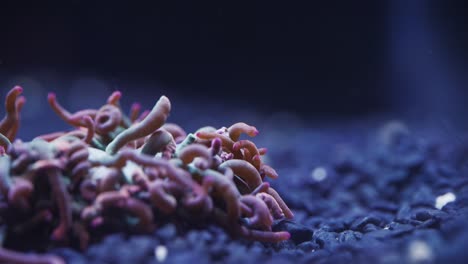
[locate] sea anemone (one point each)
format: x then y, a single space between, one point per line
116 171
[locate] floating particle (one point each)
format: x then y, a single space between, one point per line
420 252
160 253
443 200
319 174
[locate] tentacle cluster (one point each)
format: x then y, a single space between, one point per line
115 171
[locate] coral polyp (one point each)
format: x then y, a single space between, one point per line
119 172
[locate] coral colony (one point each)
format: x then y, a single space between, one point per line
124 172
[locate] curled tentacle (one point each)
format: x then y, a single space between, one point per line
262 151
10 122
160 141
244 170
177 132
189 153
256 161
141 211
14 129
75 119
266 170
90 129
238 128
261 218
122 200
110 199
247 144
103 202
251 152
19 193
225 189
161 198
272 204
107 119
287 212
210 135
215 147
77 162
155 119
114 98
25 154
134 111
202 202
